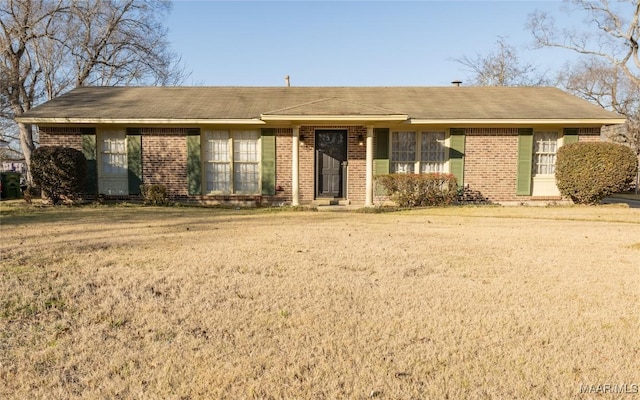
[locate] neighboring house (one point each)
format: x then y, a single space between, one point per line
11 160
300 145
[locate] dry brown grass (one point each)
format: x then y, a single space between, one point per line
499 303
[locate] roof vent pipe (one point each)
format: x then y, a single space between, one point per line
287 82
456 83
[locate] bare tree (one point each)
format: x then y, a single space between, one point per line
609 75
47 47
596 80
502 67
610 31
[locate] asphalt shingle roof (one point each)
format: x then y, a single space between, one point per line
428 103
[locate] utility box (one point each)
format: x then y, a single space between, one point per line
11 185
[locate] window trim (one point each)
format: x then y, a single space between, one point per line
112 183
231 162
417 163
534 161
113 136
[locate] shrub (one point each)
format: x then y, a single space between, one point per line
589 172
419 190
59 172
154 194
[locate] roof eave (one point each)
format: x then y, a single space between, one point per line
138 121
517 121
335 118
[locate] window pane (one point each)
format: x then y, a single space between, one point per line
245 146
246 177
218 175
114 153
432 152
403 152
217 146
545 148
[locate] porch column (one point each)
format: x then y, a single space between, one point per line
295 167
368 199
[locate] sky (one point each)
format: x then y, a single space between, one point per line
350 43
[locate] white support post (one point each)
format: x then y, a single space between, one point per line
368 200
295 167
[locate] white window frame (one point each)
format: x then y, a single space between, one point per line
246 161
113 168
238 155
545 150
217 157
403 157
433 159
410 159
113 153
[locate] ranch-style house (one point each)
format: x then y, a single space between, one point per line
306 145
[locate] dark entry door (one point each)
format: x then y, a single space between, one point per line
331 159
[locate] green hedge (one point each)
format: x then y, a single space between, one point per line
419 190
59 172
588 172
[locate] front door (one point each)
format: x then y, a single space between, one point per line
331 159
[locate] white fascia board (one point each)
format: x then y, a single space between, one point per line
336 118
139 121
612 121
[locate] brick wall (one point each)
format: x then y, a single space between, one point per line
283 163
491 162
164 159
490 159
307 168
61 136
589 134
357 155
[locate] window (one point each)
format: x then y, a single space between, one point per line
403 152
232 161
432 154
423 153
114 153
217 161
246 155
545 146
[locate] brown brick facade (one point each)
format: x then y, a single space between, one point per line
61 136
490 162
164 159
283 164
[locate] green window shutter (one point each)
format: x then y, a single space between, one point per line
194 162
525 161
570 135
381 157
268 161
90 153
380 167
134 160
456 154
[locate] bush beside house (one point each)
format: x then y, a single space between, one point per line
589 172
419 190
59 172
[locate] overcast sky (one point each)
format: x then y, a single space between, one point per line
350 43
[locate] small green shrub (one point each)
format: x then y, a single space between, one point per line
419 190
589 172
59 172
154 194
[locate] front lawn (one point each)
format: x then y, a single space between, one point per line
469 302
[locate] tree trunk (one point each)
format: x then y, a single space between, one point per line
26 143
